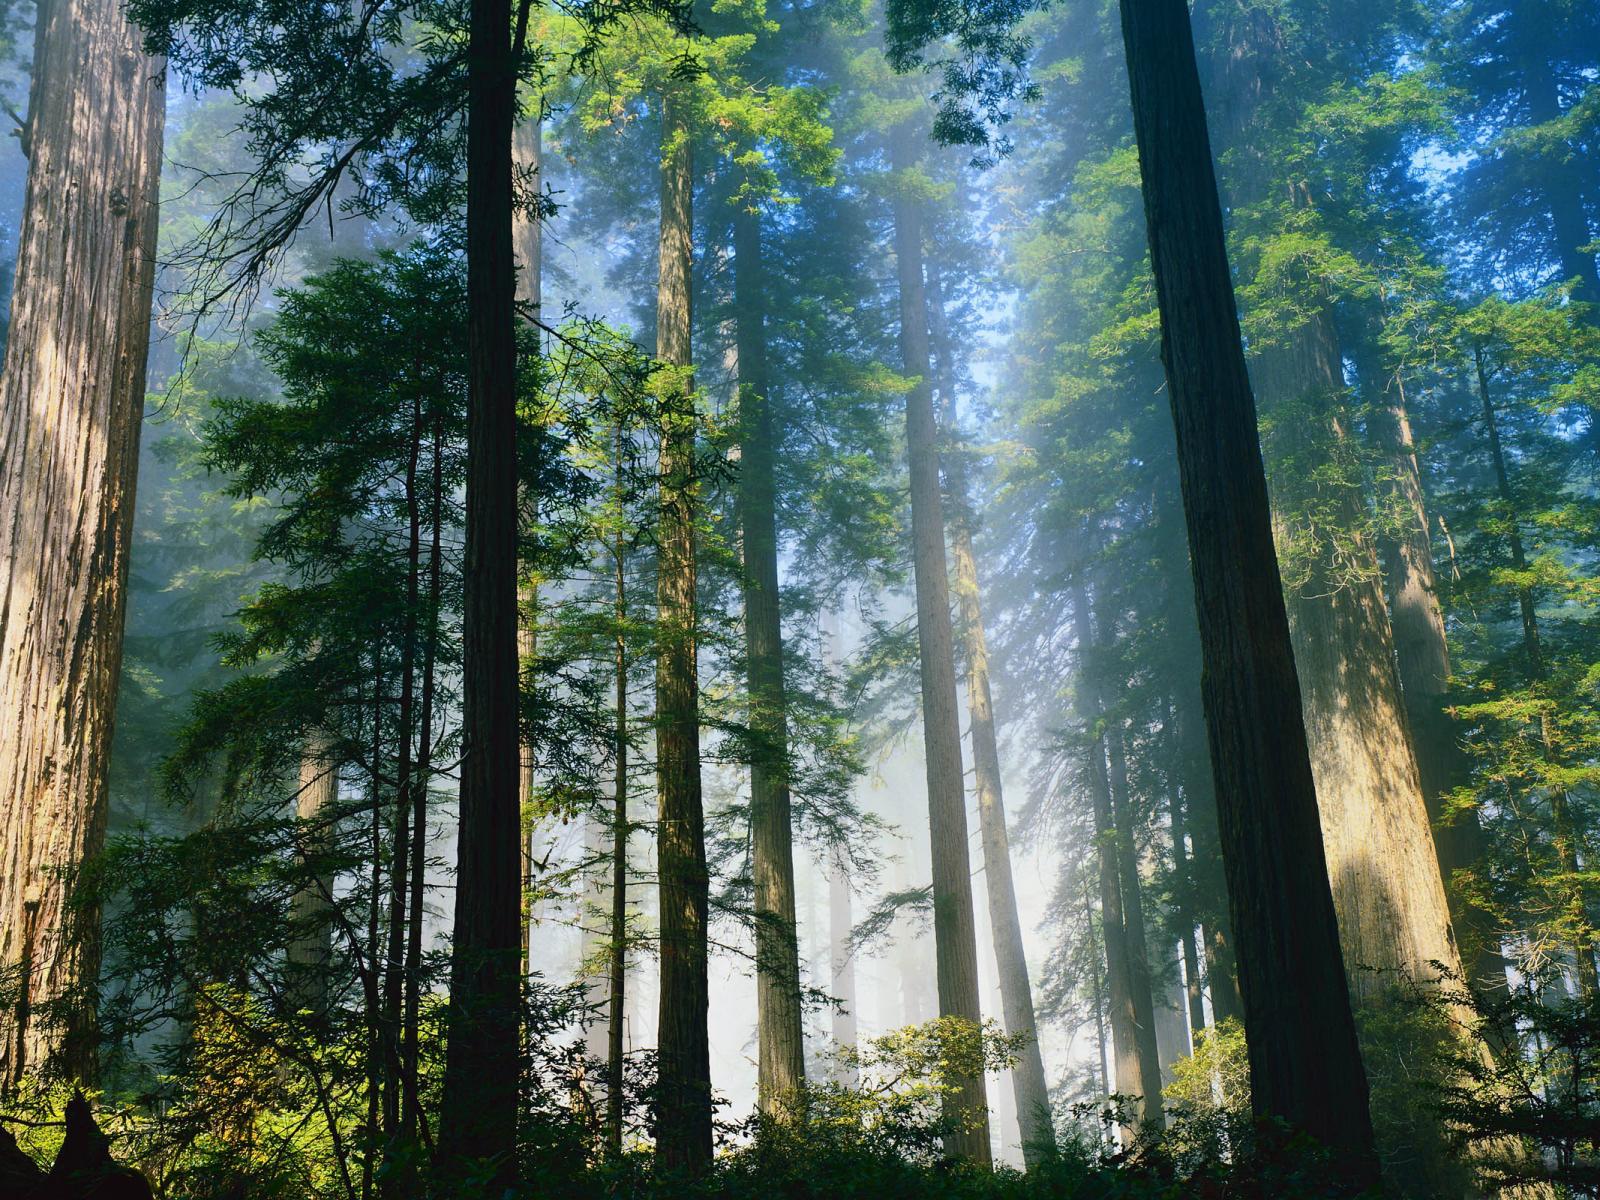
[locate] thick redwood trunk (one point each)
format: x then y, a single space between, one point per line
683 1114
1393 918
780 1040
1422 659
955 938
477 1119
71 401
1305 1066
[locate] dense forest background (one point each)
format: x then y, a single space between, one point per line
783 395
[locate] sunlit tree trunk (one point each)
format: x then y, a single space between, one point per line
1422 658
955 938
1016 991
683 1114
311 907
780 1039
1387 888
1305 1065
477 1118
1393 918
71 400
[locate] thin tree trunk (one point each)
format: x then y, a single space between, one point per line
412 1109
1305 1065
371 981
1029 1090
527 241
310 947
1138 1068
71 401
1139 982
683 1114
619 836
842 979
400 835
1563 828
955 938
477 1118
780 1038
1183 868
1097 987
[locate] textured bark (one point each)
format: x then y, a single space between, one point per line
683 1113
955 938
1393 918
1305 1066
71 400
477 1119
1388 892
527 242
311 907
1029 1089
1138 1066
781 1064
1422 659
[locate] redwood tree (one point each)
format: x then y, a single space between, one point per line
1305 1064
477 1120
71 401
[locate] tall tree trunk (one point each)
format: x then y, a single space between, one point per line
1394 921
842 977
1096 986
477 1118
371 978
400 832
1183 869
1422 659
1028 1086
683 1114
310 947
71 401
780 1038
527 242
1564 831
955 938
616 1012
1387 889
411 1113
1138 952
1305 1065
1138 1066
